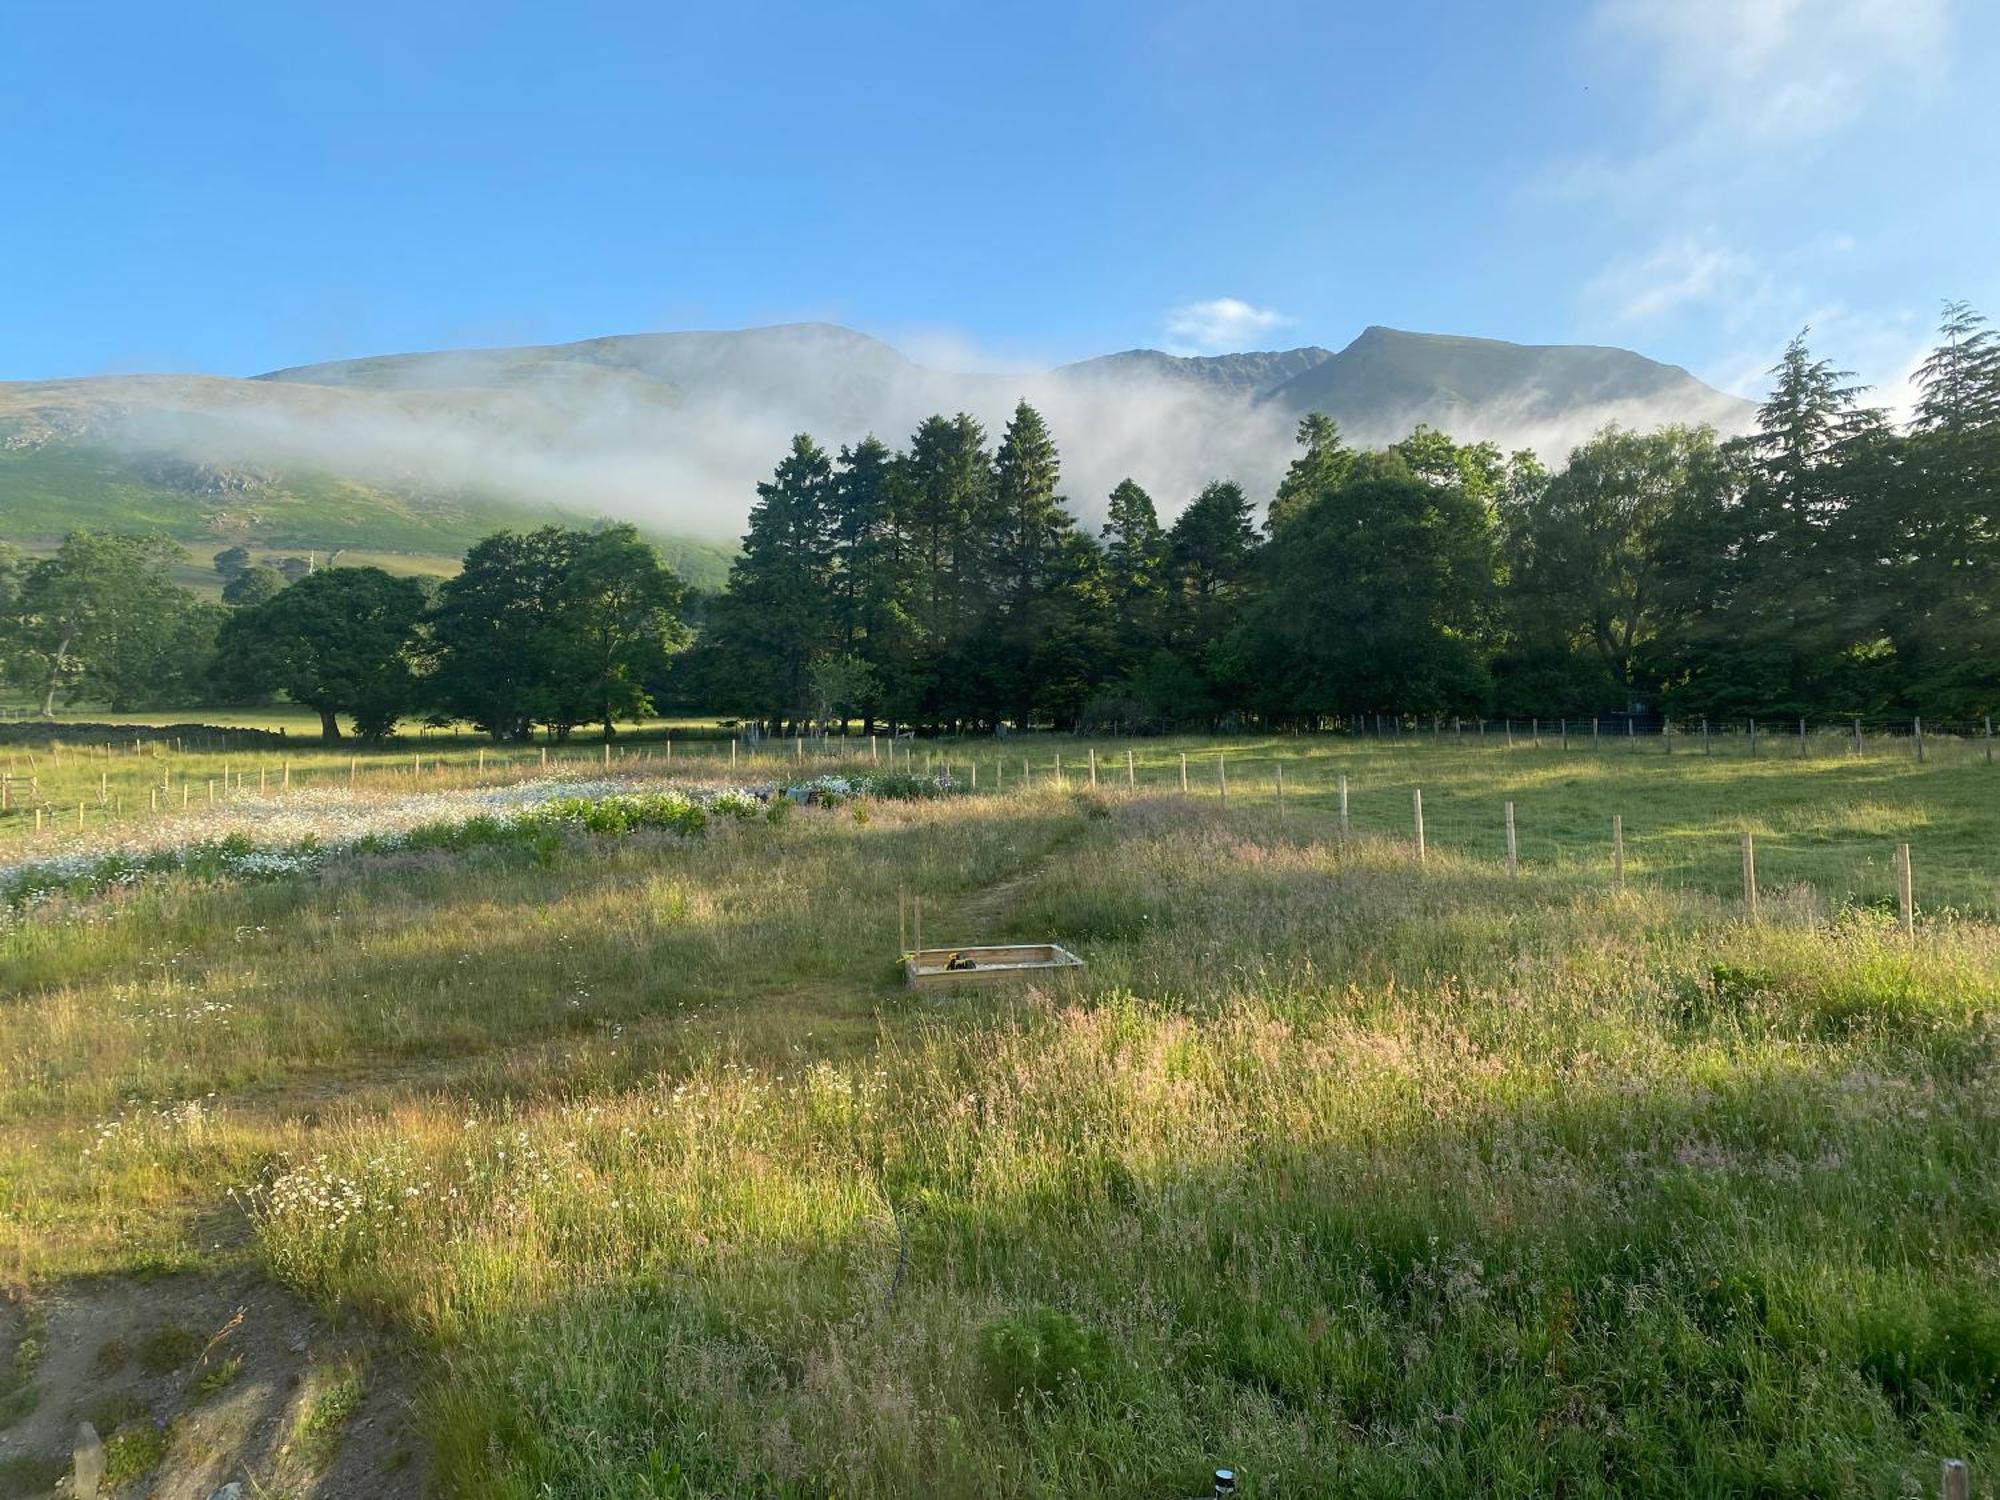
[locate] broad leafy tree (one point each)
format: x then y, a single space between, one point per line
253 585
620 622
1584 545
341 640
1380 599
103 620
496 640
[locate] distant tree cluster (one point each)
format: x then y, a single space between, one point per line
1824 564
543 629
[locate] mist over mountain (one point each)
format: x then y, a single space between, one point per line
673 430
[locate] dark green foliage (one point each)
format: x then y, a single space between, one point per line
337 641
780 612
1823 566
1323 466
1380 599
553 627
103 620
1585 550
1038 1354
1932 1347
253 586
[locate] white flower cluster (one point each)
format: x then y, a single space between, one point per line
255 836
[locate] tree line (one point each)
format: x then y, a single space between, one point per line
1827 563
550 628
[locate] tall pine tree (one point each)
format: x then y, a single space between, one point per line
778 617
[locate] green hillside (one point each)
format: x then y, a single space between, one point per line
49 489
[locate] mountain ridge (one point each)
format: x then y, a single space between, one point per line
674 428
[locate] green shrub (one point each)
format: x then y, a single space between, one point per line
1036 1353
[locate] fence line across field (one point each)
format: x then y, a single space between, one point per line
1292 787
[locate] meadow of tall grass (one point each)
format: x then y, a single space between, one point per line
1359 1175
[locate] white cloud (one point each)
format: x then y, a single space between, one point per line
1226 325
1754 73
1685 271
1731 89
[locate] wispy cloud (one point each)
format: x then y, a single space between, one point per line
1685 271
1224 325
1740 110
1731 88
1700 271
1767 72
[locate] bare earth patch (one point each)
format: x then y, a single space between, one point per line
195 1382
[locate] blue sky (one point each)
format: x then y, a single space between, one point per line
232 187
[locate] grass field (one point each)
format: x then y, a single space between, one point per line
1363 1176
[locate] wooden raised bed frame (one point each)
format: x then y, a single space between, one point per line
925 969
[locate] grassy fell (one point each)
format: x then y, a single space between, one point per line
1355 1175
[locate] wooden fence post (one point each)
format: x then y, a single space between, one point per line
1753 739
1750 875
1618 851
1917 732
1957 1480
1565 733
1906 905
1093 768
1417 813
1513 849
1183 773
1221 779
1802 737
1857 736
1280 769
1596 737
1131 771
1343 806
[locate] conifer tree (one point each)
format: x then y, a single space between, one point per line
1324 465
1031 529
778 616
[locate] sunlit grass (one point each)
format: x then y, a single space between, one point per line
1360 1175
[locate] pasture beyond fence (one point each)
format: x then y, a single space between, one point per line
1342 786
